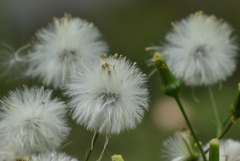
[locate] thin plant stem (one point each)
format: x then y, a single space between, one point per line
224 123
218 122
226 130
190 127
89 151
223 134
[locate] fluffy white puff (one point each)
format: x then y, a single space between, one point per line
52 156
180 147
108 96
32 121
61 47
200 50
229 150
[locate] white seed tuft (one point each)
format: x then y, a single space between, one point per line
116 97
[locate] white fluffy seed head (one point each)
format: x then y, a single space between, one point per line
180 147
108 96
32 121
200 50
61 47
52 156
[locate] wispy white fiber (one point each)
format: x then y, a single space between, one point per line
13 63
108 96
60 48
200 50
33 121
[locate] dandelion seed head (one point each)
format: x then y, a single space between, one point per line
61 47
108 96
32 121
200 50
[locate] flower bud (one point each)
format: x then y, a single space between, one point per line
214 150
170 85
235 107
117 158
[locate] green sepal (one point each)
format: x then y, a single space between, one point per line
235 107
170 85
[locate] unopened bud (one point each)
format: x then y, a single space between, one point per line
117 158
170 85
235 107
214 150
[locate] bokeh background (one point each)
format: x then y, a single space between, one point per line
129 26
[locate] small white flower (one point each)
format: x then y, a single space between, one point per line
53 156
108 96
32 121
179 147
200 50
61 47
229 150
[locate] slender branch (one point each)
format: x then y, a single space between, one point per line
226 130
219 125
221 136
224 123
89 151
190 127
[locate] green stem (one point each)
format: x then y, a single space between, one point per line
224 123
218 122
225 131
190 127
89 151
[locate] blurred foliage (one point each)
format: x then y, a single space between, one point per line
129 26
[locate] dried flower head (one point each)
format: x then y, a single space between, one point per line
32 121
200 50
108 96
61 47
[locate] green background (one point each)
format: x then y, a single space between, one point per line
129 26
